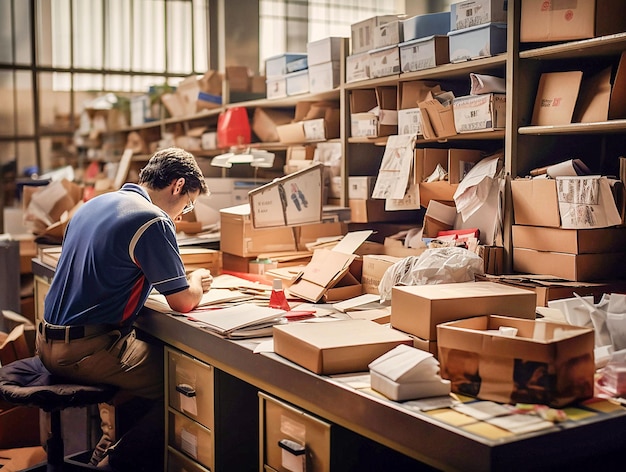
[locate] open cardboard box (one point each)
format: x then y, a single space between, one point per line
544 362
328 275
437 117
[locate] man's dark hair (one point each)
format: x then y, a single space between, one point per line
170 164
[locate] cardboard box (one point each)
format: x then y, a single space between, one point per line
424 53
266 120
544 363
337 347
276 87
470 13
535 202
384 61
297 82
419 309
427 345
374 267
410 93
22 458
279 65
387 102
428 24
329 274
325 127
357 67
571 241
437 116
373 210
441 191
241 239
388 34
19 428
363 120
556 98
486 112
238 78
324 77
324 50
361 187
426 161
478 41
362 32
460 162
575 267
543 21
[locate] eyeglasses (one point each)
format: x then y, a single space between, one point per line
188 207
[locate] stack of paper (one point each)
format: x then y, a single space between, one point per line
406 373
214 297
241 321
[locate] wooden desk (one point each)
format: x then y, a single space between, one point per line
595 441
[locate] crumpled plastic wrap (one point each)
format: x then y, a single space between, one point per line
434 266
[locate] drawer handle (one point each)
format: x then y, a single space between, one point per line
186 390
292 446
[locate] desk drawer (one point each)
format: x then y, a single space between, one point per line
280 421
190 387
191 438
176 462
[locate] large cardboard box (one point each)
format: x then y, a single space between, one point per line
241 239
571 241
336 347
535 202
544 363
266 120
575 267
410 93
419 309
426 161
543 21
478 41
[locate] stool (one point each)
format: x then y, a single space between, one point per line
28 382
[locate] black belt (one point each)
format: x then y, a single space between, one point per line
70 333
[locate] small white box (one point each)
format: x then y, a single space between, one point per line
477 12
276 87
139 110
363 125
424 53
410 121
279 65
361 187
324 77
297 82
477 41
384 61
324 50
388 34
357 67
479 112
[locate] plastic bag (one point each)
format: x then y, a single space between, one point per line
434 266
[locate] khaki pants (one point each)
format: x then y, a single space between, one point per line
133 365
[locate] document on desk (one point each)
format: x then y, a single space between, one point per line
245 320
213 297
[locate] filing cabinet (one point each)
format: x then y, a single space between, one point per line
177 462
191 409
291 439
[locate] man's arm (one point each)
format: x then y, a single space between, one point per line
186 300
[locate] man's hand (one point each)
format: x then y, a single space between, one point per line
203 277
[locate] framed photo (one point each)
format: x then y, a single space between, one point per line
292 200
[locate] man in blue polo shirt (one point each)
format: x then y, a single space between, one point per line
118 247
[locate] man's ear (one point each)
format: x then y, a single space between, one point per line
178 185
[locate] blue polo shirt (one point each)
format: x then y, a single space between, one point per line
116 248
